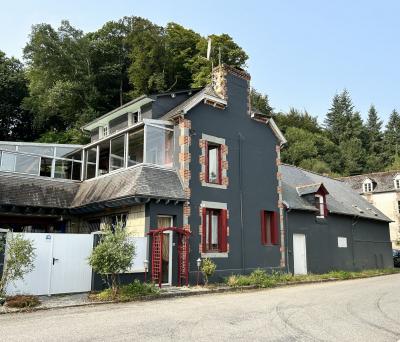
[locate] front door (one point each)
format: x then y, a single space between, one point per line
299 254
166 271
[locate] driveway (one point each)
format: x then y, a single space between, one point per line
354 310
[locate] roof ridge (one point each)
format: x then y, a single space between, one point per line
313 172
372 173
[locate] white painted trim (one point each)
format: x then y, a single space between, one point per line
212 139
214 255
212 185
213 205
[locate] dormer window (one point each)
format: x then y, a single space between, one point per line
368 186
397 182
320 203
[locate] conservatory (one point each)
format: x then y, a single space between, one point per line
149 141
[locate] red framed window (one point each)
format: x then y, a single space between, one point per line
214 234
269 228
213 163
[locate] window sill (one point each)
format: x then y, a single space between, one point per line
214 255
212 185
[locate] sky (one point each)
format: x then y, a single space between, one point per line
301 52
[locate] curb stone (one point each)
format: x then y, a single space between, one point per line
163 296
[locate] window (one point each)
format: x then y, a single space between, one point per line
117 153
213 163
45 166
105 131
320 203
397 182
214 234
367 187
91 163
269 228
135 148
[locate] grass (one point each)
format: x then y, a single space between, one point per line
262 279
22 301
127 293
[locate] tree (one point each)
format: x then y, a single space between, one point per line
19 258
208 268
260 102
15 122
353 157
298 119
392 136
113 255
374 141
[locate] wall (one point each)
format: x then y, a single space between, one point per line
386 202
368 242
2 247
252 174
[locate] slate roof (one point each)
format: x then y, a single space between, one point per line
139 181
23 190
340 200
207 90
383 181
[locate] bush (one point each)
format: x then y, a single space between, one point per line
128 292
22 301
113 255
208 268
19 259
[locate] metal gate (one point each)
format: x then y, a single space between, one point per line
61 265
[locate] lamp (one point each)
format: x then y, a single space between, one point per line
198 262
146 267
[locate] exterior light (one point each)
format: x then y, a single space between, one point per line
198 262
146 267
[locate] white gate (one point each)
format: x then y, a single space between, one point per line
299 254
61 265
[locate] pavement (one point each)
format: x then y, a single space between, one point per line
352 310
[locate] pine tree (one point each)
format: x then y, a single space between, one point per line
392 137
374 141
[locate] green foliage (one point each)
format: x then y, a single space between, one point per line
260 102
19 258
127 292
208 268
15 122
113 255
298 119
22 301
262 279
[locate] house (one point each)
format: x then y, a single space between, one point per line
195 171
330 226
381 189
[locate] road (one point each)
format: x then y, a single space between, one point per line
354 310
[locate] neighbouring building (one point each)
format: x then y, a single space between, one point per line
330 226
196 171
382 189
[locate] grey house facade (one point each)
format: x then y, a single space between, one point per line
198 173
343 231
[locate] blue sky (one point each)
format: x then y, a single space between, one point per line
301 52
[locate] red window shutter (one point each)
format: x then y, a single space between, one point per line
207 179
203 233
263 228
224 231
274 229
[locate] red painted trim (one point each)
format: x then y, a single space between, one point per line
206 177
224 231
204 228
263 227
219 164
274 229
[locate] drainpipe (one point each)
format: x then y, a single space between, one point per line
288 209
353 224
281 209
240 139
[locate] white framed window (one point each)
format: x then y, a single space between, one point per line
342 242
321 205
367 186
397 182
105 131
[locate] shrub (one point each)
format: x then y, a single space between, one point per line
19 259
208 268
128 292
113 255
22 301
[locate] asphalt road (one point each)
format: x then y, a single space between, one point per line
354 310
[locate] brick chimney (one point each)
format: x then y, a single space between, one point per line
220 82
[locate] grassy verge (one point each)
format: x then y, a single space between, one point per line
22 301
260 278
126 293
